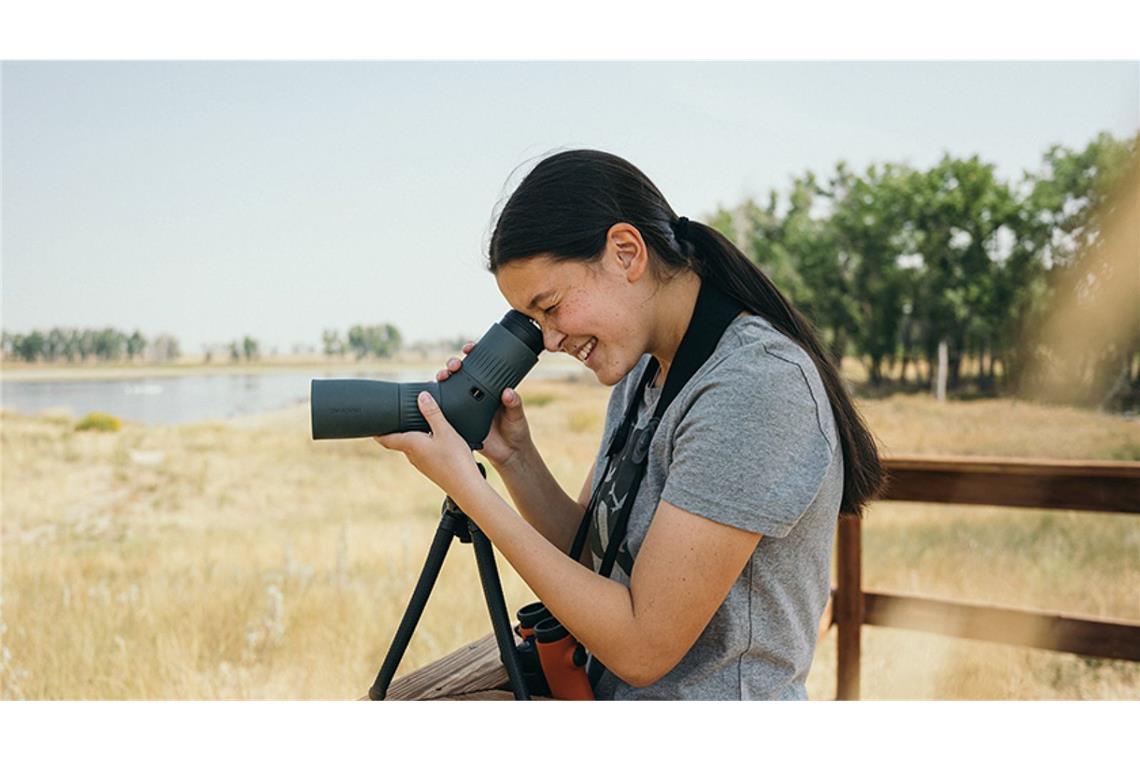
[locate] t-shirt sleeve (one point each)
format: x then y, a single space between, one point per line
750 451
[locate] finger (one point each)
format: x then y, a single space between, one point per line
394 441
442 375
512 402
431 412
454 364
468 346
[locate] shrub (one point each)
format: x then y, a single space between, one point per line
99 422
537 399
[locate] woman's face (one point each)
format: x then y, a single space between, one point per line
597 312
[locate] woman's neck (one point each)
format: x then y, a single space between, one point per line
678 301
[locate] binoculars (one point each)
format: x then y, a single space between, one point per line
356 408
553 662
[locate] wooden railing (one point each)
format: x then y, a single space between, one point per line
1039 484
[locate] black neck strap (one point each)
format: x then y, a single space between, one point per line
713 312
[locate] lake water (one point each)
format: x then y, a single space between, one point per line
172 400
169 400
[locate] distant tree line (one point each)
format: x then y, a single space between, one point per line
80 345
109 344
245 348
382 340
891 262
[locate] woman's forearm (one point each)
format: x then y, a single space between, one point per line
540 499
598 611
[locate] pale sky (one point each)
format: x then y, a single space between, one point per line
215 200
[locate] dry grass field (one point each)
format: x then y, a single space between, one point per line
243 560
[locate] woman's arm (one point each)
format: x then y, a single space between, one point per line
683 572
541 500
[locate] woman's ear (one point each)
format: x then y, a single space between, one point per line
626 248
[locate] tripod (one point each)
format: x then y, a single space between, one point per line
454 523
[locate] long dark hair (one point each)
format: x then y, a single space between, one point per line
565 207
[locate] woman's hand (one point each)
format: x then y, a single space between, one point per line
443 455
509 433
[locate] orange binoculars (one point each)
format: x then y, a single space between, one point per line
550 653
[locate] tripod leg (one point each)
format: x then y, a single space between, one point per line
497 607
438 552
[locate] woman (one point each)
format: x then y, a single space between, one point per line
724 567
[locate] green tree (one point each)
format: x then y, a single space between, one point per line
136 345
109 344
30 347
165 347
378 340
357 341
250 348
868 223
333 345
795 249
54 344
959 208
1063 212
71 345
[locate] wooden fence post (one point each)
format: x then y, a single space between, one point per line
849 606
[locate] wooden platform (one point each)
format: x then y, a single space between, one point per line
472 672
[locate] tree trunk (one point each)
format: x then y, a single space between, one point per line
986 377
838 347
955 365
875 371
940 381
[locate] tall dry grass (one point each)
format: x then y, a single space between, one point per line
244 560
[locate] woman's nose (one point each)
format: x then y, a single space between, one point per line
553 340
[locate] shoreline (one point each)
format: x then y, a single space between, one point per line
20 373
24 373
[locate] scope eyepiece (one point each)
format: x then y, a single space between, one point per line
523 328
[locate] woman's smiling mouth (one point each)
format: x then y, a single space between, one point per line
585 351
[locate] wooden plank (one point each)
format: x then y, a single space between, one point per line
1016 465
1036 483
470 669
849 606
1117 639
490 695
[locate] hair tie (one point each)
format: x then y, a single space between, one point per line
681 228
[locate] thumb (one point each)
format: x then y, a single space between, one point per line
431 411
512 402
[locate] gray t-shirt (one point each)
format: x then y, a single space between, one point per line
750 441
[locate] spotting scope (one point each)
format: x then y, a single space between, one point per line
469 398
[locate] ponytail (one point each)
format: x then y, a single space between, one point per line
715 258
